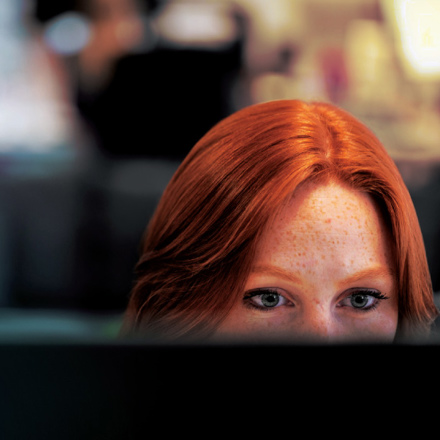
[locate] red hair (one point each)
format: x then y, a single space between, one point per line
201 241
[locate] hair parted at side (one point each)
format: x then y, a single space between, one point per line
200 244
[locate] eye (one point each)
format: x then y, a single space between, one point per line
265 299
363 299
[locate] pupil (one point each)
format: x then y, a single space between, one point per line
269 299
359 300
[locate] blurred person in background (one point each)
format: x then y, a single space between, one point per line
40 134
36 113
131 65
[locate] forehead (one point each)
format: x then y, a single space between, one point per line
330 207
326 222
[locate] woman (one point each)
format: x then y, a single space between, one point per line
286 220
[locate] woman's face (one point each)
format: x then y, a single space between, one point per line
323 272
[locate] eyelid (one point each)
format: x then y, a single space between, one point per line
361 290
368 291
260 290
252 293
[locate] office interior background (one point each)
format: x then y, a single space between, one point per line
100 100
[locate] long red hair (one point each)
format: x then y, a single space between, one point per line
200 244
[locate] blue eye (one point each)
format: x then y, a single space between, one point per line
363 299
264 299
270 299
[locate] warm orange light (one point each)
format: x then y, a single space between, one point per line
417 26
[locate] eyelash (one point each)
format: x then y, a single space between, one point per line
367 292
356 291
259 292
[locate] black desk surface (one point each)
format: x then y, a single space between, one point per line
106 389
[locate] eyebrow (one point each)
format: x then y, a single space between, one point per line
371 272
264 269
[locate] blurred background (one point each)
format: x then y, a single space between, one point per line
100 100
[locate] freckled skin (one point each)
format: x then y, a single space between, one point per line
322 237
